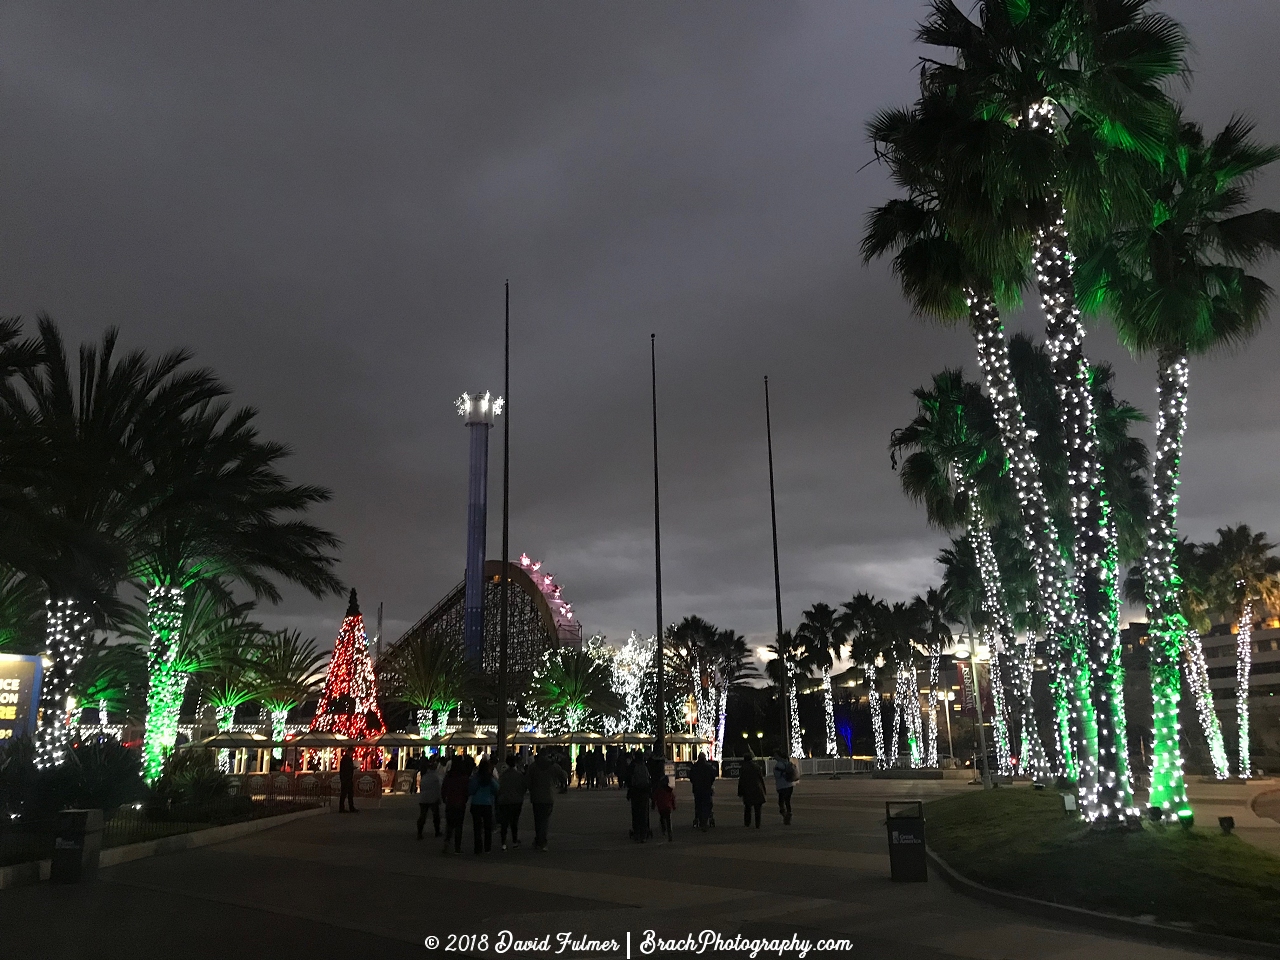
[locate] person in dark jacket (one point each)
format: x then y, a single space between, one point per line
545 777
454 790
640 793
482 790
347 781
702 778
750 789
511 789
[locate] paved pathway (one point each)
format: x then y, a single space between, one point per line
353 886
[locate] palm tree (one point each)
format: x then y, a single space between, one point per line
1191 562
231 678
1061 74
733 669
1175 284
80 465
431 673
936 615
820 635
959 251
218 508
570 684
1243 573
786 653
693 648
289 670
109 679
859 623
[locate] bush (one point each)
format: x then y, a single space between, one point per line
189 777
99 773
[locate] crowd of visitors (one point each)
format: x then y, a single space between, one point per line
459 780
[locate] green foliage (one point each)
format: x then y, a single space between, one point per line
189 777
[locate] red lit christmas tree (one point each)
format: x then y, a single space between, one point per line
349 704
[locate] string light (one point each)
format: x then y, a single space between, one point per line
1166 625
931 742
1106 790
1070 681
349 703
1198 680
166 682
877 718
65 638
1244 663
1000 635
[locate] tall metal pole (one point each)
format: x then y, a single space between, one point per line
660 725
506 517
378 642
784 668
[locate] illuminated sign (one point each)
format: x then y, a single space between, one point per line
19 695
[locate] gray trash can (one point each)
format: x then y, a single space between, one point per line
76 846
905 821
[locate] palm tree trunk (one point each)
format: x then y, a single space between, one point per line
931 744
1198 679
993 602
877 717
721 721
1244 663
1165 623
1093 552
1071 684
165 683
915 743
896 730
797 739
1032 760
829 711
65 635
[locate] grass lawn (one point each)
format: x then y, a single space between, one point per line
1016 839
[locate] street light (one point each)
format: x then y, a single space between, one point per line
945 697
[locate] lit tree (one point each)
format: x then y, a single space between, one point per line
349 701
431 673
288 670
1174 283
570 684
1078 87
1243 573
820 635
77 479
859 619
935 615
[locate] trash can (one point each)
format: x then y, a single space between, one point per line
905 820
76 846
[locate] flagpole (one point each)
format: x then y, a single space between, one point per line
501 747
660 736
784 670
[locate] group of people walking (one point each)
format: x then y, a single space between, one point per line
458 781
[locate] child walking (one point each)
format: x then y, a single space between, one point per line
664 798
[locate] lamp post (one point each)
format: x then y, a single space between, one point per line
968 649
784 664
945 697
660 721
478 413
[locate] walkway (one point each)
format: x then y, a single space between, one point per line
348 886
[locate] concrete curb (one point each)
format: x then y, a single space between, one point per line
1104 922
22 874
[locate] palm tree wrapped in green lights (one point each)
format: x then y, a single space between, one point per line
289 669
570 684
431 673
1174 283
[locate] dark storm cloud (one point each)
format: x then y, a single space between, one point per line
323 201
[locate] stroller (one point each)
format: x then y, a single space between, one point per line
703 812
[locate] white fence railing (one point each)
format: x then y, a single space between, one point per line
831 766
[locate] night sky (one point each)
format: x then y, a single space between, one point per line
323 202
